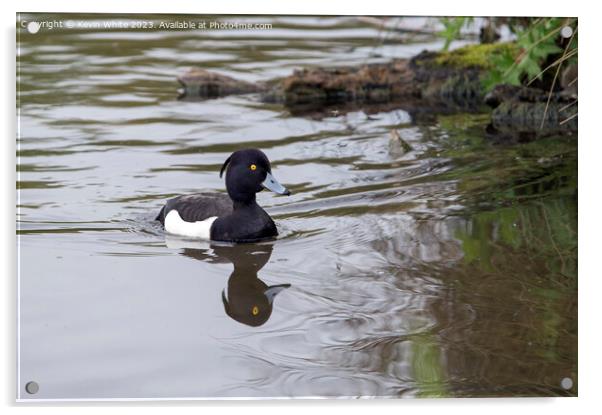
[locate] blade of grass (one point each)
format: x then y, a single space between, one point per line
545 111
570 104
568 119
556 62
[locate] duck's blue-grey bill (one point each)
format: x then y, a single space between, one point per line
272 184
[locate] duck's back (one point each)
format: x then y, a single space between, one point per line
197 207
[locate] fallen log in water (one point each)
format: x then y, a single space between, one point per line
203 84
435 82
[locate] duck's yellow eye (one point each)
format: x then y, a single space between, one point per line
253 167
255 310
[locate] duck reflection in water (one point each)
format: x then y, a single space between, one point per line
247 299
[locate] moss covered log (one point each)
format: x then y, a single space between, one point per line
440 81
446 76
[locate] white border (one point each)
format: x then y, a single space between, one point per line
589 153
18 247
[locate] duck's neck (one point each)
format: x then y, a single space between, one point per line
244 205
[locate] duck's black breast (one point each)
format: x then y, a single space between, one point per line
197 207
248 223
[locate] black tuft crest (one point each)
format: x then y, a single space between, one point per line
221 172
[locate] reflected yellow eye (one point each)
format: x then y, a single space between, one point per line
253 167
255 310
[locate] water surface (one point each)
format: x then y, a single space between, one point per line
446 271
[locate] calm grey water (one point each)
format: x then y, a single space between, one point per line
446 271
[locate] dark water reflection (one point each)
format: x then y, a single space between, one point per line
450 270
247 299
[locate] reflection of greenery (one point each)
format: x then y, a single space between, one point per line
519 240
524 195
427 367
551 322
494 175
547 230
535 243
540 234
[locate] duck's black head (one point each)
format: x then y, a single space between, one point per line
248 172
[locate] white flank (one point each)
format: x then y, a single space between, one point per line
176 225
